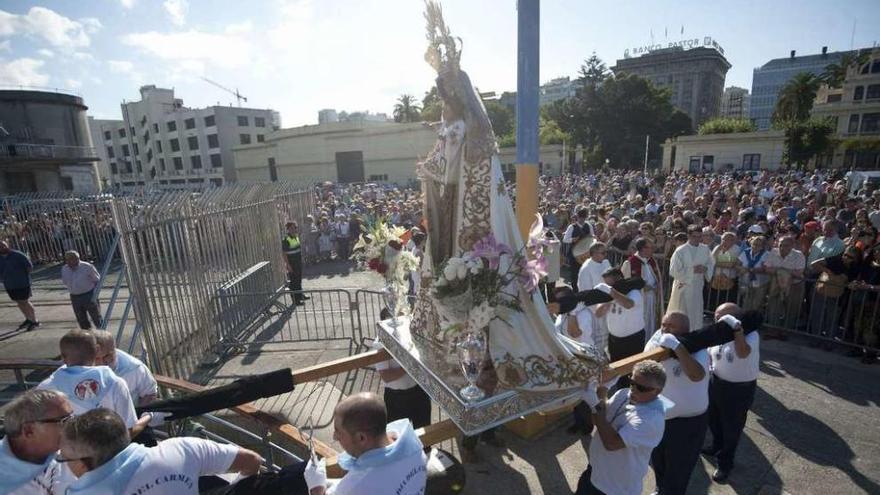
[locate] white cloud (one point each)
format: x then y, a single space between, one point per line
176 10
239 28
72 83
127 4
23 72
45 53
55 29
193 46
91 24
120 66
5 46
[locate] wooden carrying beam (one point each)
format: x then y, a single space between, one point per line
341 365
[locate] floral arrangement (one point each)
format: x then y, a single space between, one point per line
471 288
380 247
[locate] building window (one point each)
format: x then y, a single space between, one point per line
136 150
853 124
110 153
158 146
122 132
751 162
242 120
273 172
132 130
162 164
870 123
196 161
834 98
172 126
149 156
190 123
138 164
209 121
113 168
125 151
708 163
128 167
875 67
155 128
213 142
175 145
245 138
261 138
216 162
178 163
873 92
193 143
216 182
143 120
107 135
146 137
858 93
260 121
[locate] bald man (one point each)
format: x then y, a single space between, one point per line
734 378
378 458
687 385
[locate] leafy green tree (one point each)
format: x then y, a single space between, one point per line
502 118
432 105
796 99
724 125
834 74
593 72
805 139
406 109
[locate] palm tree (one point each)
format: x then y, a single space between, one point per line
406 109
834 74
796 98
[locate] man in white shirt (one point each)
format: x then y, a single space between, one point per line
628 428
88 386
690 267
687 385
33 423
786 299
731 391
81 279
96 447
142 386
625 316
378 458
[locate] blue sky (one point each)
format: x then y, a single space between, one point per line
298 56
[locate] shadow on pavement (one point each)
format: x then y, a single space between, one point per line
328 269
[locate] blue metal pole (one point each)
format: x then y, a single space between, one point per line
527 83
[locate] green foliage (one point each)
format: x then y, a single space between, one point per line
432 105
796 99
804 139
593 72
501 117
834 74
723 125
855 144
406 109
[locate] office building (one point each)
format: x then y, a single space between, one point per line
45 143
556 89
327 115
694 76
771 77
161 142
735 103
854 109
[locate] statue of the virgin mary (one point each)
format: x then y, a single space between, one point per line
465 199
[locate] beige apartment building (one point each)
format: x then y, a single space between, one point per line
361 151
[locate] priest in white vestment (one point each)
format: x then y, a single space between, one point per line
691 267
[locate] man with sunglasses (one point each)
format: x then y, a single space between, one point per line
628 427
33 423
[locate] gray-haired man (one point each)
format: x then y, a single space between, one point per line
81 279
33 423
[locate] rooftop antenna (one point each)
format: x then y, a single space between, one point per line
237 95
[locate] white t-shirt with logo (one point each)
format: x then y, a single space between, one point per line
116 398
624 322
729 367
174 466
53 479
640 426
690 398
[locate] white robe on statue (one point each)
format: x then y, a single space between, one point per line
687 286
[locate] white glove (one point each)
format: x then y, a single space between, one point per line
604 288
669 341
731 321
315 474
589 396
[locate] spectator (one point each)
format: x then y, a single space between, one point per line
33 423
642 264
96 447
628 428
784 305
15 270
754 280
81 279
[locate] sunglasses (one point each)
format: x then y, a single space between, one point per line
640 387
60 419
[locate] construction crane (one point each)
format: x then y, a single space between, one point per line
238 95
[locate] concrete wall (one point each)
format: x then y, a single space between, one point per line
726 149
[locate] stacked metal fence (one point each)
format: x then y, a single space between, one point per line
45 225
183 251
